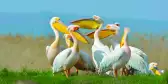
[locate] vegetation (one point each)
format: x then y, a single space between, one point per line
46 77
24 51
19 52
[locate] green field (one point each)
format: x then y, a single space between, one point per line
46 77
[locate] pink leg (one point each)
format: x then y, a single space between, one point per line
65 71
122 71
69 71
126 71
115 72
76 71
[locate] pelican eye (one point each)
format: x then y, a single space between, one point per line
118 24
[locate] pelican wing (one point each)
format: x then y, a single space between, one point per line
60 59
87 23
87 59
108 61
140 53
138 60
138 63
104 33
137 51
99 53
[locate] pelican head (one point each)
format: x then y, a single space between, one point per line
53 22
54 19
117 24
96 17
113 27
73 28
153 66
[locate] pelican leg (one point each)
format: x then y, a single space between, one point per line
125 71
115 72
87 71
76 71
69 72
121 71
65 71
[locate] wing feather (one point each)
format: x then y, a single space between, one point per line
87 59
139 52
113 57
98 54
138 63
60 58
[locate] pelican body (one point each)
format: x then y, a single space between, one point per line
85 62
138 59
53 50
118 57
68 57
103 58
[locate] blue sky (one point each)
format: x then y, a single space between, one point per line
136 9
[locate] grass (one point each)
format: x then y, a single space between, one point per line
46 77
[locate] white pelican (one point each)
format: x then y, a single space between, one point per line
118 58
96 23
53 50
85 61
153 68
138 60
99 50
102 57
68 57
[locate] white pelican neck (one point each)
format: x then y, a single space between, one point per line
56 42
75 42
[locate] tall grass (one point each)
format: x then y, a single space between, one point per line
19 51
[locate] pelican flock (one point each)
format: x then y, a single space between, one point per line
103 59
